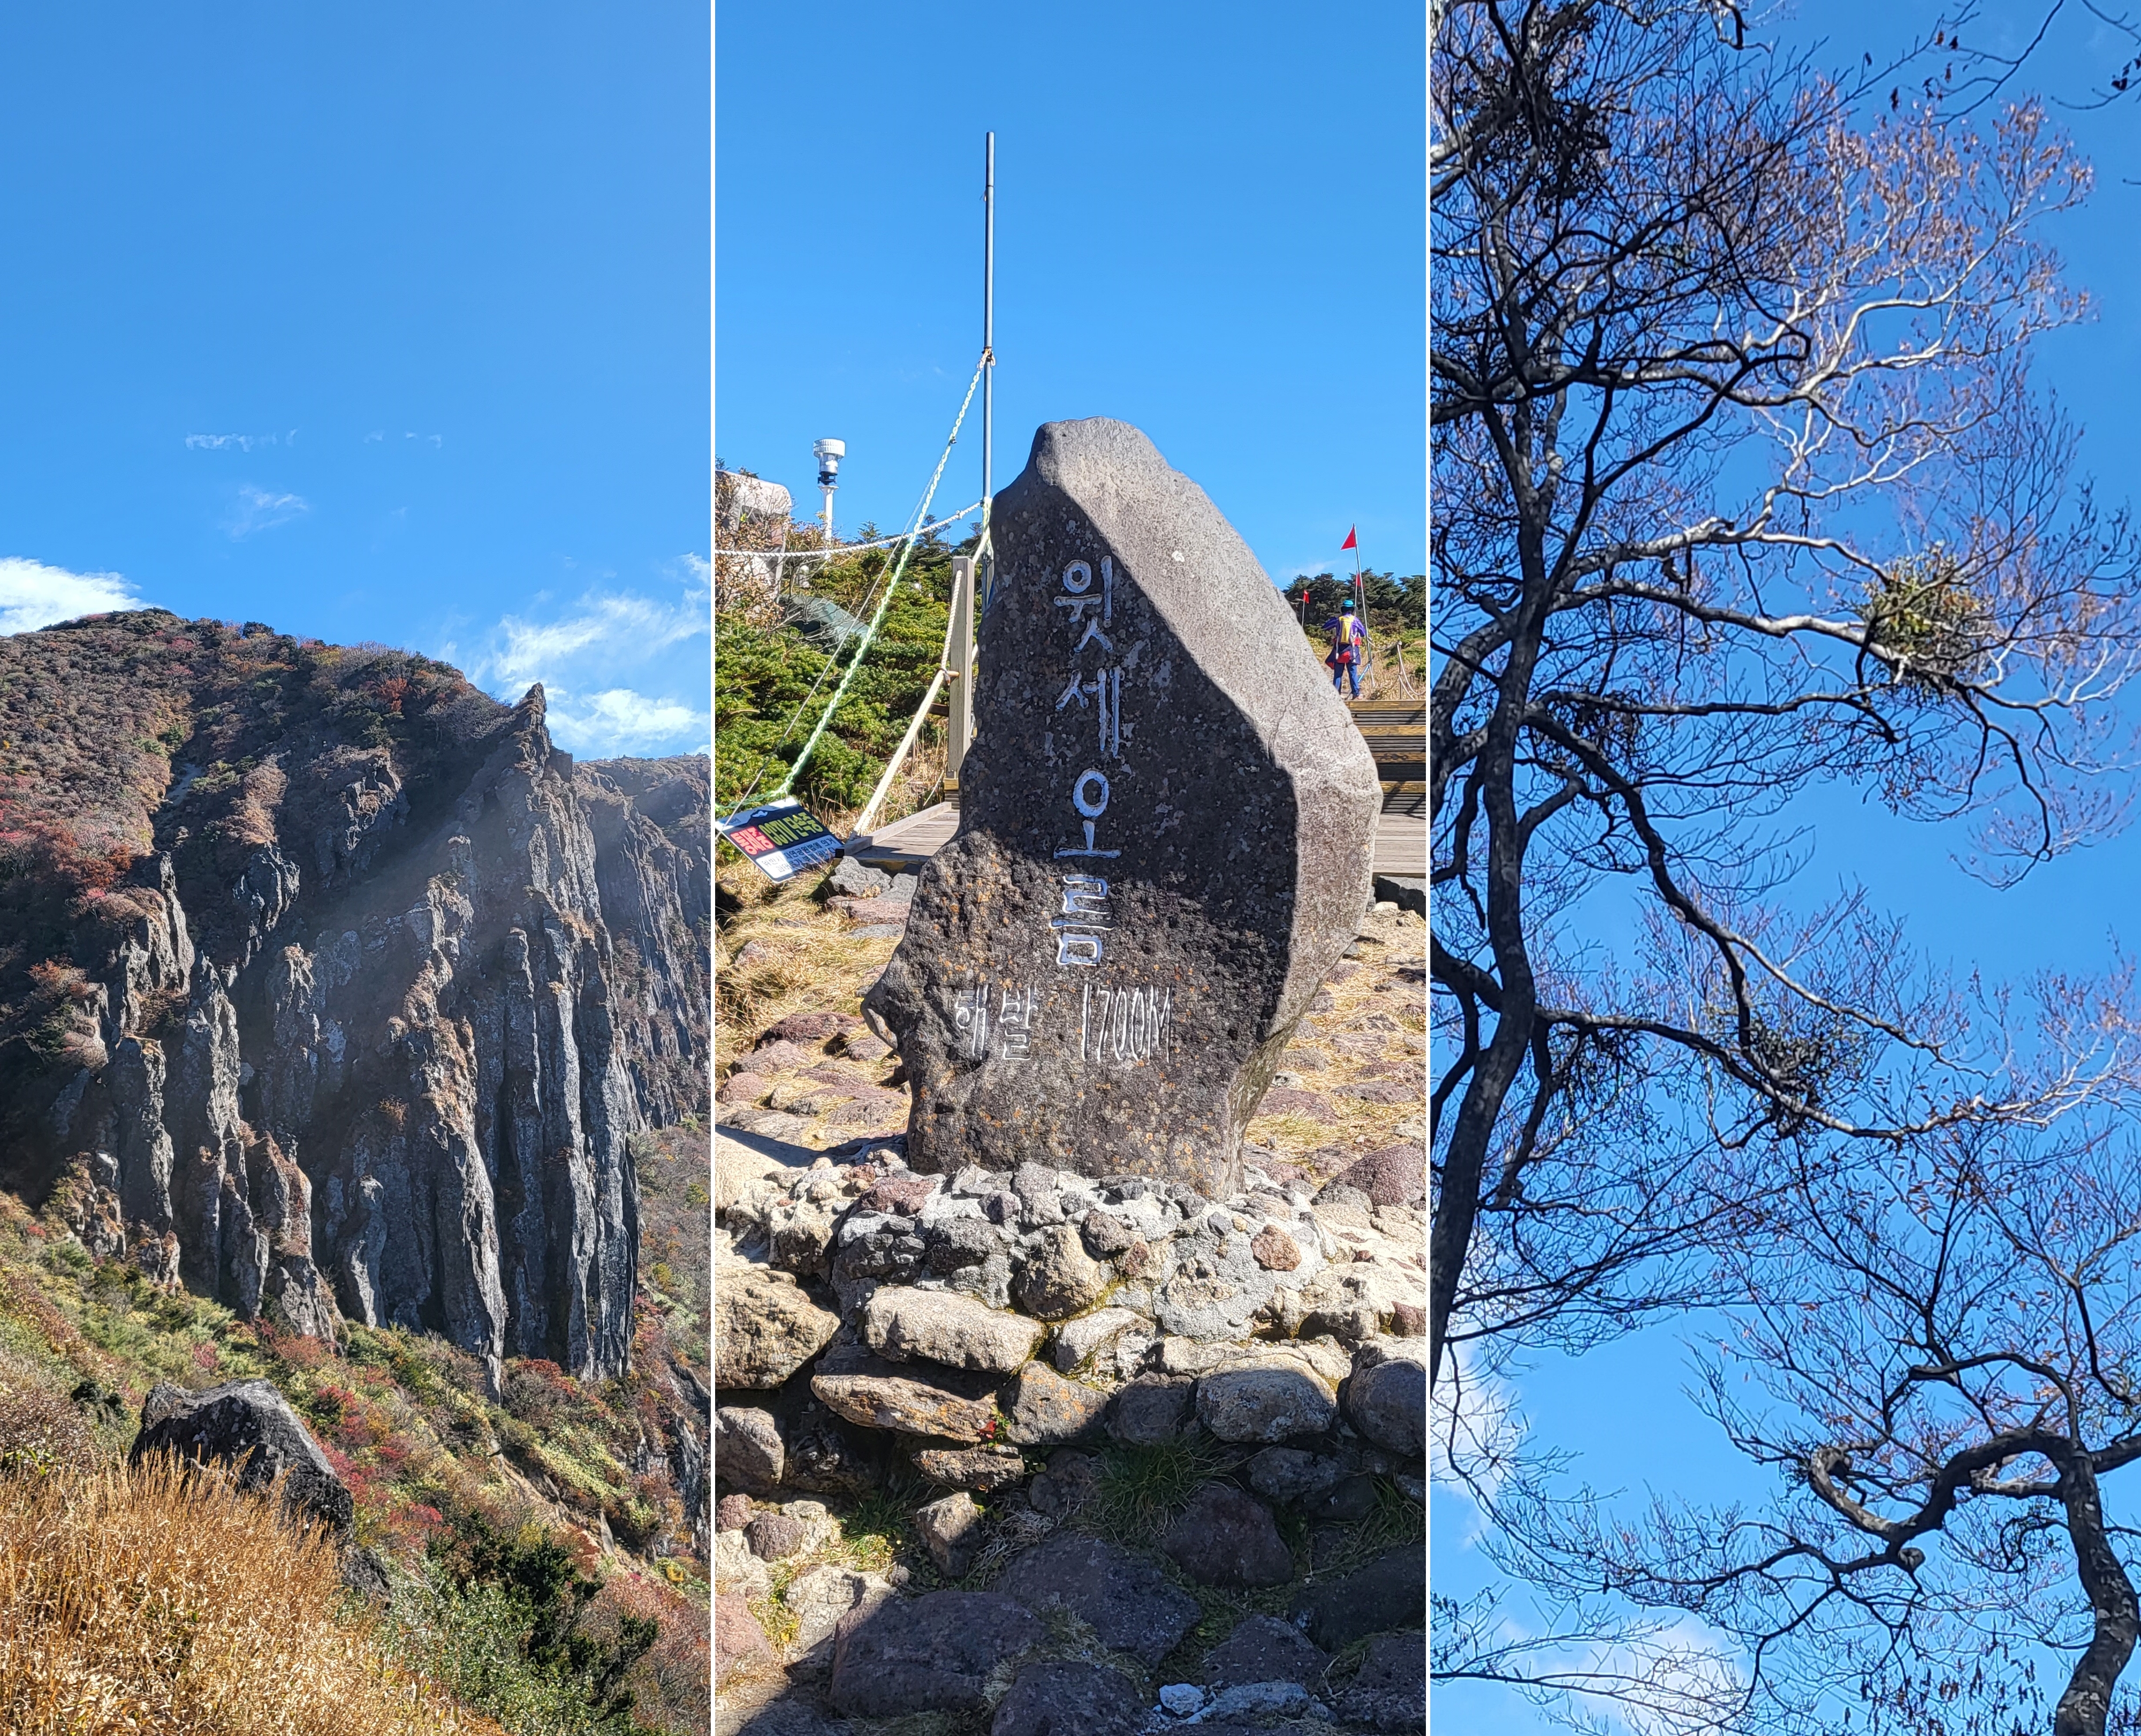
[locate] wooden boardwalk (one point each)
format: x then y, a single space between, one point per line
1396 734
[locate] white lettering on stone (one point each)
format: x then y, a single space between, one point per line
1079 948
1007 1030
1089 850
1085 894
1106 689
1125 1025
1084 922
970 1018
1015 1025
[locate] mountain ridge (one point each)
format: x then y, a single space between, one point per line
342 989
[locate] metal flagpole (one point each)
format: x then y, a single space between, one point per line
1361 608
988 568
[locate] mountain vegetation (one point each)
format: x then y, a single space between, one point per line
263 905
776 664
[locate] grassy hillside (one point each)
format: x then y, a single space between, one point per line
152 1600
538 1543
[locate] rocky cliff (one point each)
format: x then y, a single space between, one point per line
346 988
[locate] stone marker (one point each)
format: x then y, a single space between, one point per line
1165 826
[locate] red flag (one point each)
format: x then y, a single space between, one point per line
1350 542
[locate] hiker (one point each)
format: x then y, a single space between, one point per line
1349 644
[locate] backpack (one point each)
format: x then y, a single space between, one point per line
1347 634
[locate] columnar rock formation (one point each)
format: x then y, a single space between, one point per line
366 1030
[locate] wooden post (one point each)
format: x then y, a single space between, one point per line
961 665
868 818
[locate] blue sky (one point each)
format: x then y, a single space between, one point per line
1624 1408
381 322
1208 223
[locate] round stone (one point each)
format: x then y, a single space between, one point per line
1268 1403
775 1536
1061 1279
1387 1403
1224 1537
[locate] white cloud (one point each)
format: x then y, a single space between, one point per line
1674 1679
621 625
622 721
583 654
259 511
34 595
1478 1430
242 442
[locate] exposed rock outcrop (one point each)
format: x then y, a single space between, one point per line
248 1427
379 1006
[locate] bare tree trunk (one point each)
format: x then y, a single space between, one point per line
2086 1703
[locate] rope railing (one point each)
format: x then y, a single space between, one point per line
833 551
907 540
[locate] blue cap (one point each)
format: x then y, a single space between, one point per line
1347 604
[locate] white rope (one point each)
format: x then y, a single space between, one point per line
907 540
864 820
839 548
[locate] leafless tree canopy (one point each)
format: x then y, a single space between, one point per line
1743 492
1947 1351
1740 487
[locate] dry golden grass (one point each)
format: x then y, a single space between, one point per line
812 962
807 958
1381 1001
153 1599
